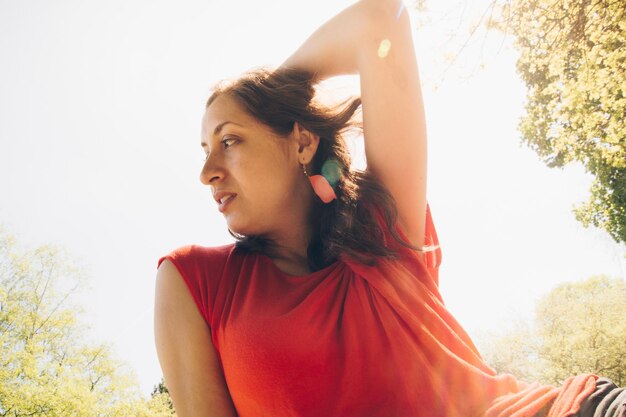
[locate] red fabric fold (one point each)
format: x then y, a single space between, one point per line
572 393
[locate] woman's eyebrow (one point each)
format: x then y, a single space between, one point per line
219 127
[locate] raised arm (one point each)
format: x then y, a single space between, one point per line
373 38
190 365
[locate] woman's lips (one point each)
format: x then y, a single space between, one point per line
225 201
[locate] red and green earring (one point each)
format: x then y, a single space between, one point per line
324 185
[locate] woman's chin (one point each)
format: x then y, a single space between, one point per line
240 229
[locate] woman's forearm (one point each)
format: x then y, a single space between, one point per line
339 46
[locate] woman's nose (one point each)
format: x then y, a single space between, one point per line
210 171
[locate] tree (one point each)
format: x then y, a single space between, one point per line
162 391
573 61
578 328
583 329
514 351
47 368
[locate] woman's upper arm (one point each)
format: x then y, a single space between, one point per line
374 39
191 367
394 125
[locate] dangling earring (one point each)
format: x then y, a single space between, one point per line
323 184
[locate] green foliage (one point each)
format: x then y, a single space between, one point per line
46 366
579 328
161 391
583 328
514 351
573 61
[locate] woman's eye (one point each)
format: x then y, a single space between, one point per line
228 142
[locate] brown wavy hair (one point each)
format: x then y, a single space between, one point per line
347 225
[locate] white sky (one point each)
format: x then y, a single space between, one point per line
100 107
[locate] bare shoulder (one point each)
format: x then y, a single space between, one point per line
189 361
167 273
172 295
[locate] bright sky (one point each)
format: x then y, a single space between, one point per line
100 107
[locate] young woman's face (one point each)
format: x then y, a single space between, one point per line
253 173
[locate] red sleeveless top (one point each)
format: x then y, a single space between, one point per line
351 340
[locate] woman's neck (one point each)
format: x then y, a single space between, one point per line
290 251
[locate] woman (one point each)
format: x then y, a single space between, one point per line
328 305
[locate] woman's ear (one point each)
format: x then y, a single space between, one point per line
306 142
